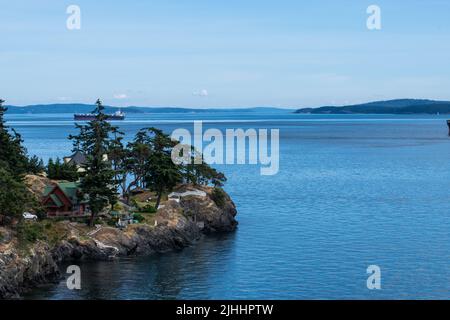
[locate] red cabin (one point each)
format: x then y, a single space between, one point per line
64 200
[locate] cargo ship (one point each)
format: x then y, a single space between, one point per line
118 115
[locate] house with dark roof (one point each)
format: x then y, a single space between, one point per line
64 199
77 159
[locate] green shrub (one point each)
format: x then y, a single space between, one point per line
30 232
138 217
148 209
134 203
219 197
36 207
117 207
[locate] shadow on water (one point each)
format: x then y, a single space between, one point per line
172 275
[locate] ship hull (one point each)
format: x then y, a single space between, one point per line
88 117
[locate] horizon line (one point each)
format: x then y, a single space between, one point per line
222 107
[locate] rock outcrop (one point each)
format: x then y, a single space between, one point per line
205 211
177 224
36 184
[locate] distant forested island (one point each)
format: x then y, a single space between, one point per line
398 106
86 108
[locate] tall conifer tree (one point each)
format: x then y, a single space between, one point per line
98 181
13 166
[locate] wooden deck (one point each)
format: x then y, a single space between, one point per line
68 214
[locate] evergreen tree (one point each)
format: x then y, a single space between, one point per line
59 170
13 165
2 114
69 172
98 181
139 152
205 174
118 154
35 165
201 173
14 197
51 173
12 153
161 174
151 165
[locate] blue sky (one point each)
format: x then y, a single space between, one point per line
223 53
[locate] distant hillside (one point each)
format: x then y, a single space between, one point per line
86 108
399 106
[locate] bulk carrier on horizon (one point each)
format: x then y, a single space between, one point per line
118 115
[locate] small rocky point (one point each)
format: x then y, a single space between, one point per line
177 224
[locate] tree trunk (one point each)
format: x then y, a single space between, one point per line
124 188
91 220
158 199
128 189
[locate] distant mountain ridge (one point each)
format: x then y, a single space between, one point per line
397 106
87 108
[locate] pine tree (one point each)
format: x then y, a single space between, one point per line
201 173
150 162
13 165
118 154
12 153
139 151
58 170
35 165
13 197
51 169
69 172
98 181
161 174
2 114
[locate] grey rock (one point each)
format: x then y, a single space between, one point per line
179 224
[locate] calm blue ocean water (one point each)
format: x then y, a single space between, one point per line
352 191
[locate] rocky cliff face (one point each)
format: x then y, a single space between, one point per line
18 272
176 225
36 184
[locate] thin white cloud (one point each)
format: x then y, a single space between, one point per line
64 98
201 93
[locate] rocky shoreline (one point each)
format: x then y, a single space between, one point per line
176 225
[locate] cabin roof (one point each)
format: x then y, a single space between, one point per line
56 200
68 188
